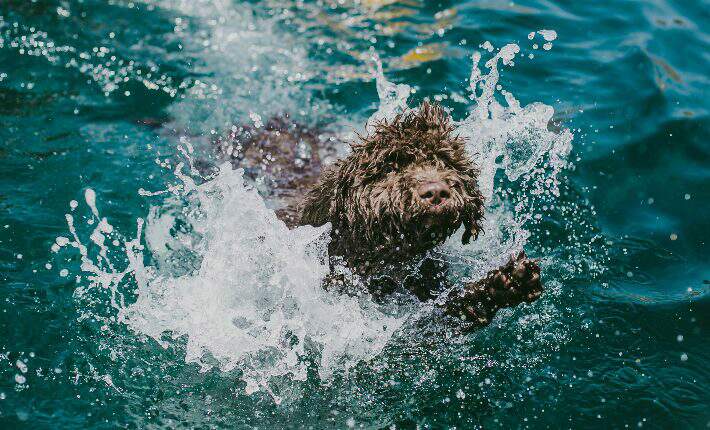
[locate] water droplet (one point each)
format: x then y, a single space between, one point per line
548 35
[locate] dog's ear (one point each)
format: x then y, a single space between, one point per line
470 231
473 216
320 201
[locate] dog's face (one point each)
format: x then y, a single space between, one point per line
402 190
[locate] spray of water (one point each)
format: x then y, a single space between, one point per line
503 136
224 275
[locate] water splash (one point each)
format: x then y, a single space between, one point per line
224 275
393 97
254 299
508 136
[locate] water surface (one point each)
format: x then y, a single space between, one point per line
109 96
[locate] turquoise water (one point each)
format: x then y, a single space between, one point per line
92 93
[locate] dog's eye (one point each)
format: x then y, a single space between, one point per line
452 160
455 184
395 162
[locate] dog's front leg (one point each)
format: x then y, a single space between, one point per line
477 303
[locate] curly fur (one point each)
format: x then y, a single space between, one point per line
380 224
370 199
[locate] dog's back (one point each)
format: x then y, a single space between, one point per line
282 158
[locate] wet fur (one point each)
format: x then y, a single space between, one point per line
369 196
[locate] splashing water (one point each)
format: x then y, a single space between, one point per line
515 140
254 300
518 134
244 291
393 97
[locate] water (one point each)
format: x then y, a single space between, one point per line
106 104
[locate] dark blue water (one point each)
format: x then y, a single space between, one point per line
93 92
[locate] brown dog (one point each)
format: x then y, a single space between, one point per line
403 189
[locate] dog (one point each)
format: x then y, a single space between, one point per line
403 189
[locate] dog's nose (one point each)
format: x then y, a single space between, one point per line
434 192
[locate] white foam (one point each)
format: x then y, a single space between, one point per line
254 300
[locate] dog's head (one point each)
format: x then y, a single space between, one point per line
403 189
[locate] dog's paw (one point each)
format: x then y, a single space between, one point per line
516 282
